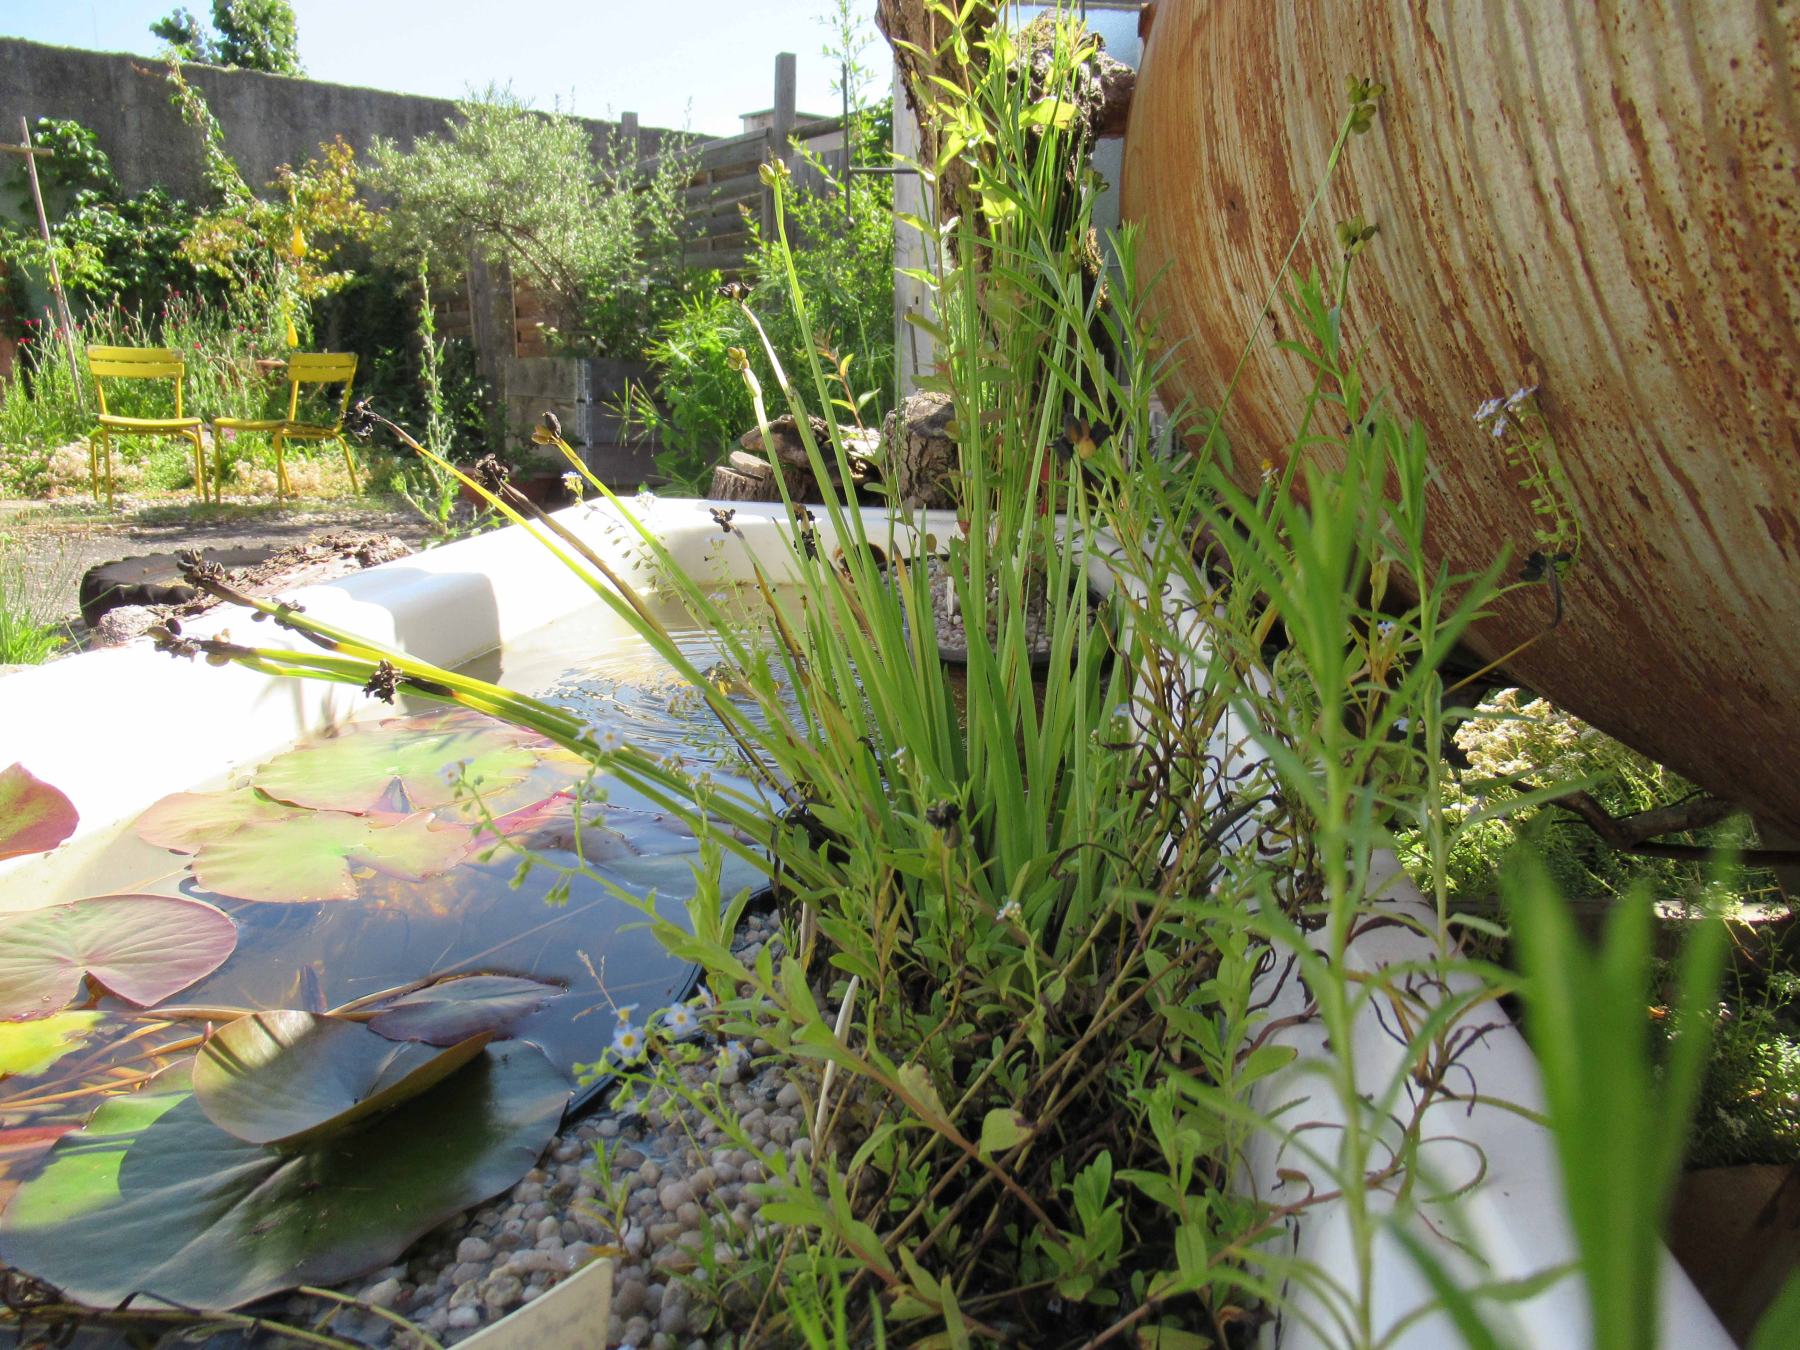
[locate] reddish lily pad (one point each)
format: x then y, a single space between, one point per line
365 766
288 1078
184 821
308 856
450 1010
142 948
34 817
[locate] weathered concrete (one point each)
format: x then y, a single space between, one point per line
269 120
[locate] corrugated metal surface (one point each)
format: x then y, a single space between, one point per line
1603 199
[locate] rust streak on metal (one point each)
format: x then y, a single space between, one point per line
1603 199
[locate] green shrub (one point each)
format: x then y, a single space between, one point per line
1513 740
528 189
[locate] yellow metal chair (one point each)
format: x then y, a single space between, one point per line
302 368
139 363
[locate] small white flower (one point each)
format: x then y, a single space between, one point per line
626 1011
1490 408
1009 912
678 1021
627 1044
1385 627
1519 397
1500 428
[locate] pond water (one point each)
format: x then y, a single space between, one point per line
407 918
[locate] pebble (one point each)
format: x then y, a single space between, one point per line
383 1294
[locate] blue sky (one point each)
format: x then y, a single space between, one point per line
597 57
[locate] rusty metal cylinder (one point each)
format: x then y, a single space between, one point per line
1601 199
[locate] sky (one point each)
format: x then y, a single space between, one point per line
689 64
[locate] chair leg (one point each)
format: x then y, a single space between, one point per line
109 474
199 464
94 466
282 486
349 464
218 466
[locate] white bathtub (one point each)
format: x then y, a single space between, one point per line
117 729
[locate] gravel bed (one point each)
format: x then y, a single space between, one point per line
683 1182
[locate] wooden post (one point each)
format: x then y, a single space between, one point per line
56 286
782 130
634 140
915 353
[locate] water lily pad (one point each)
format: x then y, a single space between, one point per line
361 768
288 1078
142 948
34 817
449 1010
183 821
153 1198
28 1048
309 855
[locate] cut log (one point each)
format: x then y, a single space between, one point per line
921 457
730 484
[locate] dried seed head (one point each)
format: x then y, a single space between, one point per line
384 683
359 421
491 473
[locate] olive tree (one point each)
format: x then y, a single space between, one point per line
529 189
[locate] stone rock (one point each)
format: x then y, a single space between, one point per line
502 1291
125 624
465 1318
382 1295
473 1249
628 1298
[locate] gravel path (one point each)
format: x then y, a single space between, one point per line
682 1184
56 545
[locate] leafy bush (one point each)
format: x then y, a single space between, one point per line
845 265
527 189
1513 741
109 245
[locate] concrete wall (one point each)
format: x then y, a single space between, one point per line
269 120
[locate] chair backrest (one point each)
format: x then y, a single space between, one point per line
320 368
136 363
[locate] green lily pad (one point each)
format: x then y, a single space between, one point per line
449 1010
34 817
184 821
28 1048
362 767
142 948
289 1078
152 1198
308 856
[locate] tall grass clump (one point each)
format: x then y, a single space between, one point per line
1050 937
28 634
